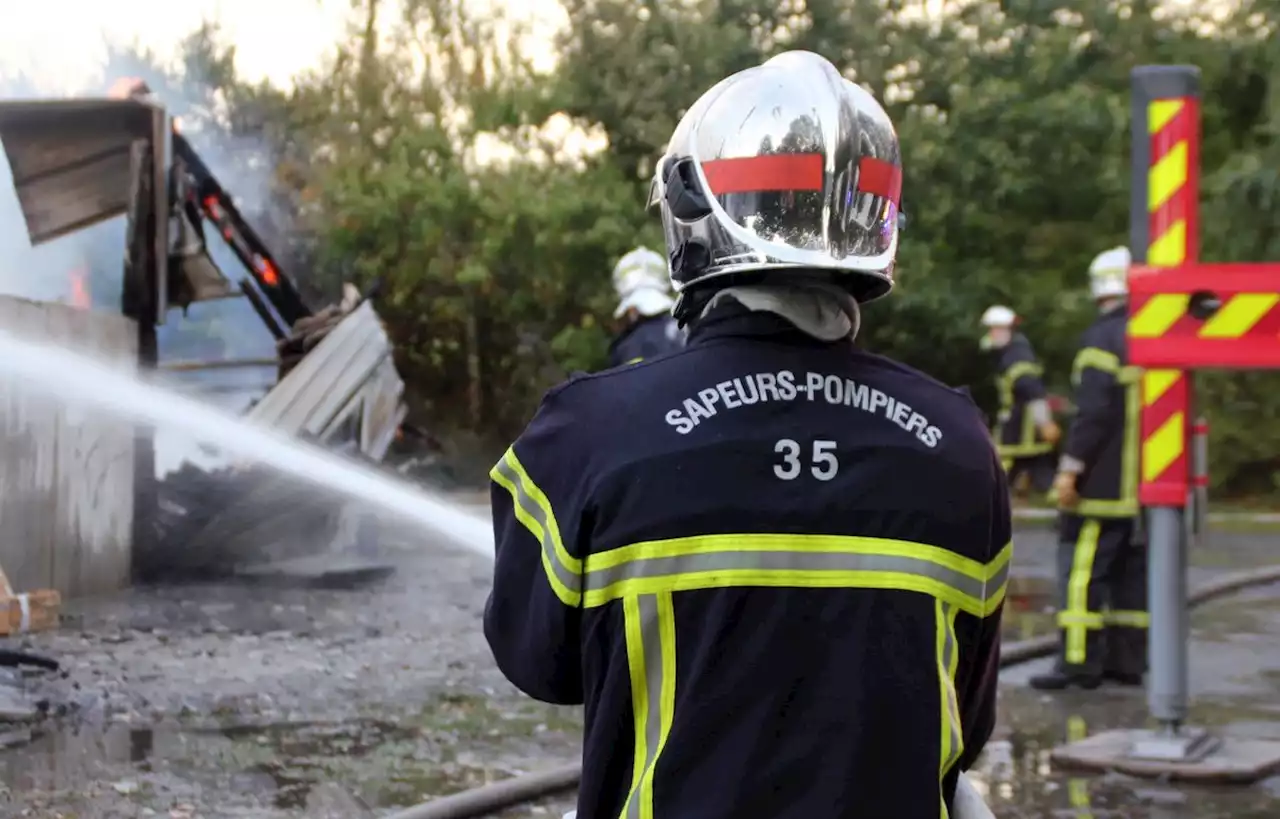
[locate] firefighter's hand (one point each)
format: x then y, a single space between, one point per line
1064 489
1050 432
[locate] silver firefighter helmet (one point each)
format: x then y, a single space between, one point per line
782 171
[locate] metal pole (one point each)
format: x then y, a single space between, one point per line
1164 232
1200 476
1167 602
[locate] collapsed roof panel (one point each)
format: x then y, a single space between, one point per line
71 159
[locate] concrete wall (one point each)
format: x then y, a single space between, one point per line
66 472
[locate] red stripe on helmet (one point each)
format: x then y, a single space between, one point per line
880 178
771 172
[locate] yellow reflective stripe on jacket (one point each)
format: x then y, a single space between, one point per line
1027 444
796 561
564 571
1097 358
646 575
1127 504
952 734
1010 377
635 360
1028 433
650 626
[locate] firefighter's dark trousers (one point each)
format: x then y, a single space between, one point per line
1102 596
1039 470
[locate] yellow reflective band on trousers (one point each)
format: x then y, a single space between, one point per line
1126 505
533 510
636 360
650 627
952 736
1126 619
1076 620
796 561
1027 445
646 576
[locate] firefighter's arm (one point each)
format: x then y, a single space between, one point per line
532 619
1094 373
977 690
1028 389
1027 382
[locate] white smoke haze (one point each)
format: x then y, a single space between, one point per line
86 267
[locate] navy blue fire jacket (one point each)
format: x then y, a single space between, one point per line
648 337
771 568
1018 384
1104 436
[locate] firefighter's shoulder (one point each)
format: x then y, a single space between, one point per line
1102 331
928 386
585 387
1020 349
924 392
593 398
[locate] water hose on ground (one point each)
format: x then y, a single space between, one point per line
509 792
492 798
16 659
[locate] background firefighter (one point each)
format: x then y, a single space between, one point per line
644 308
1025 432
1102 564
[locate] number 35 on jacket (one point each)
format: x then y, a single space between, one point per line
761 596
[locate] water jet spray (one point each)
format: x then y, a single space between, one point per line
80 379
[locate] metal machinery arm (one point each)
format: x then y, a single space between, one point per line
215 205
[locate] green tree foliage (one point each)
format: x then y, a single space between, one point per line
1014 118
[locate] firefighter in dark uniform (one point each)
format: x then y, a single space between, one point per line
772 566
644 307
1025 432
1102 566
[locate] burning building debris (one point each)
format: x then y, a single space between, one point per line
78 163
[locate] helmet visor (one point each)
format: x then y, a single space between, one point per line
790 202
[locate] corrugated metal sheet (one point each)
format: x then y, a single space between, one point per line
350 369
70 159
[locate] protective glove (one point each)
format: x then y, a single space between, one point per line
1050 432
969 804
1064 489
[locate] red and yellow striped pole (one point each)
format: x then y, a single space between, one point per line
1165 232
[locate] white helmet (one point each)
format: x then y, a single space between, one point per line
1109 273
999 316
642 283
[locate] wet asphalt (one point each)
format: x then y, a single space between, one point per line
263 702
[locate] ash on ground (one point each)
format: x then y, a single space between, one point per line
271 702
265 700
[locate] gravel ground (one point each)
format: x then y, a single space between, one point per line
235 701
267 702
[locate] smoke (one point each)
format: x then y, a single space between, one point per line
85 268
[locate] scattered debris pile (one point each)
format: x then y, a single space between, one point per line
20 709
338 387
